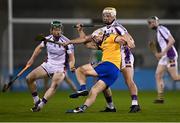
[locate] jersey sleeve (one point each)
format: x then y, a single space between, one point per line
120 31
70 48
42 44
119 28
165 32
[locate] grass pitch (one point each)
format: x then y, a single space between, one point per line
15 106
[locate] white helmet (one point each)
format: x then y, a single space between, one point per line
110 10
98 32
98 35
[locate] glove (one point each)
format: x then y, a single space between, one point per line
152 46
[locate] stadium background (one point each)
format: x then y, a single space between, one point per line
24 34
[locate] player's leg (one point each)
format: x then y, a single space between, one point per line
173 70
57 78
110 105
128 73
160 83
107 75
46 81
95 90
37 73
81 74
70 82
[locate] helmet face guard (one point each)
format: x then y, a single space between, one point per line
108 15
56 28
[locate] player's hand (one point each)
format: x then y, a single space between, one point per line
79 27
159 55
130 44
72 68
60 44
65 43
152 46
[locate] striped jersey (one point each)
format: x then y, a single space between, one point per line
56 54
162 38
117 28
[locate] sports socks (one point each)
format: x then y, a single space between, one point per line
160 96
42 103
35 97
83 87
109 102
134 100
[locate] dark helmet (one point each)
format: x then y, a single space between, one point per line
56 24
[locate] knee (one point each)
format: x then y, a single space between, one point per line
81 70
30 79
175 77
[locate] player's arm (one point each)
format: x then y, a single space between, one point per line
77 41
167 35
123 41
129 37
80 31
123 32
171 42
152 46
91 45
71 61
36 52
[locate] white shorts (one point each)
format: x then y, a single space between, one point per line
127 62
51 69
168 62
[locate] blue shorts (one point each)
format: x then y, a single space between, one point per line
107 72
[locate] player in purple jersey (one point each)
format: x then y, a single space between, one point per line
113 26
53 67
166 55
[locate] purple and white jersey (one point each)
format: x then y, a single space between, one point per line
162 38
117 28
56 54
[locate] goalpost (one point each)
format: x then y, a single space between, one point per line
12 20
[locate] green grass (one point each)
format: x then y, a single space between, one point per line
15 106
